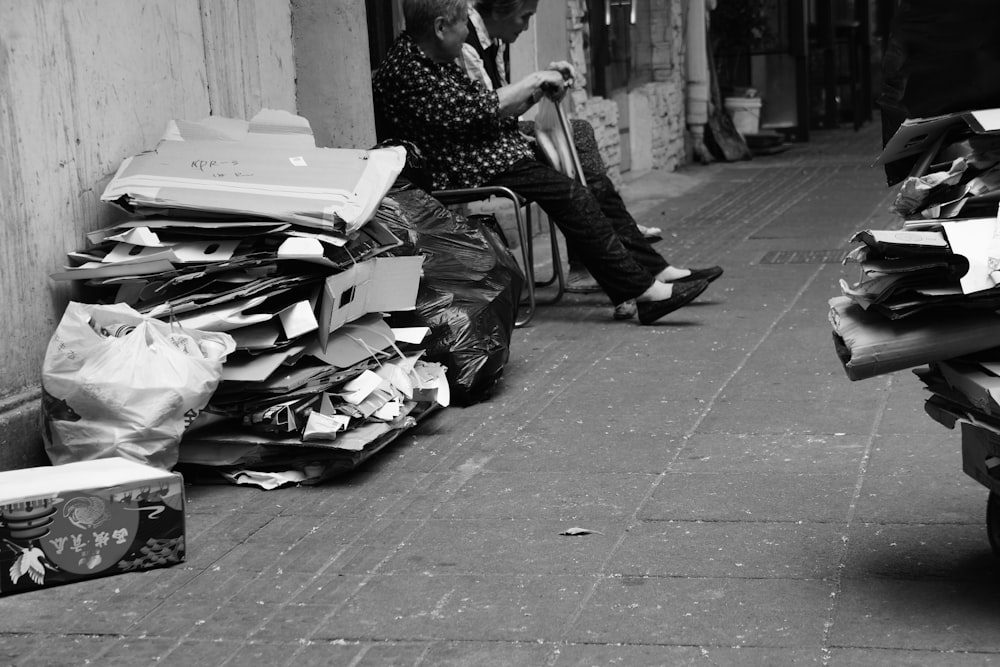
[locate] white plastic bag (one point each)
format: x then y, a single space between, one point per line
118 383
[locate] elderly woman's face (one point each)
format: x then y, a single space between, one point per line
508 28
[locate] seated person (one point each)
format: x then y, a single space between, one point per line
493 25
469 137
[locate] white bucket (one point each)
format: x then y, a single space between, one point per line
745 112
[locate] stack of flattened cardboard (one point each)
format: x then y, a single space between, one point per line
249 228
930 291
966 391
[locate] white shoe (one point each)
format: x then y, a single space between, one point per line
625 310
650 232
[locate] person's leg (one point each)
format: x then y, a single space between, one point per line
594 237
594 169
611 203
614 209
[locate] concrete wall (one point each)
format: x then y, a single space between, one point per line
84 84
334 71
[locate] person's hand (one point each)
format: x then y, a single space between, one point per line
567 70
552 84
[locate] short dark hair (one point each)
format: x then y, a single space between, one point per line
500 8
419 15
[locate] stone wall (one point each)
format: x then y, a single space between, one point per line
665 102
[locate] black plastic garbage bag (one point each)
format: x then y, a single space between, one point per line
468 295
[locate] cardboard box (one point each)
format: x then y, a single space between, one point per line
981 456
381 284
65 523
980 388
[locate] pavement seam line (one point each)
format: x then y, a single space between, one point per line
851 511
862 470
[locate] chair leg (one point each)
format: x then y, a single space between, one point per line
557 270
531 235
527 257
557 266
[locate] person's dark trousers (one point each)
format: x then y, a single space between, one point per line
615 253
613 208
595 173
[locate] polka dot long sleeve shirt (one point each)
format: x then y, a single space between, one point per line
454 121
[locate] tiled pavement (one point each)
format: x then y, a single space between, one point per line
752 506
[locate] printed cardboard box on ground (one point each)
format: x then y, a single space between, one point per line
81 520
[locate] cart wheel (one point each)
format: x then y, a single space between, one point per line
993 522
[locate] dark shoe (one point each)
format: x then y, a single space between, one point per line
709 274
684 293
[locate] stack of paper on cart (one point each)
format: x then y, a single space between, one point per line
922 295
250 229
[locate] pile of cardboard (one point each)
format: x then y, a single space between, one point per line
930 291
249 228
928 294
966 391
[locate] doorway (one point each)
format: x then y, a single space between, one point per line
619 58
